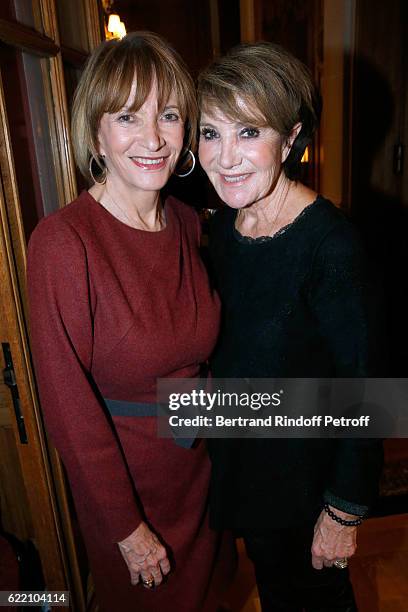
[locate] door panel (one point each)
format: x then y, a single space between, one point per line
28 503
15 517
37 176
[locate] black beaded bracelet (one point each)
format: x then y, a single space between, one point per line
340 520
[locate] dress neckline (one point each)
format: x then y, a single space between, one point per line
268 239
98 206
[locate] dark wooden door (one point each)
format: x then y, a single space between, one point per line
379 172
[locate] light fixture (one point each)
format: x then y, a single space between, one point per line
114 27
113 23
305 158
121 30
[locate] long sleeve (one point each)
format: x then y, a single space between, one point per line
62 340
345 310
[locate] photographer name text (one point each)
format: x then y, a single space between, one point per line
269 421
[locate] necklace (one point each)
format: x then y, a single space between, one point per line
281 201
131 221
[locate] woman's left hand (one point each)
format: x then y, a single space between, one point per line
331 540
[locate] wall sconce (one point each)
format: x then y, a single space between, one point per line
114 27
305 158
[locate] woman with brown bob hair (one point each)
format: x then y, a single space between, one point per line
119 297
292 279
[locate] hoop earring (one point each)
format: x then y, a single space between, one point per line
193 163
103 174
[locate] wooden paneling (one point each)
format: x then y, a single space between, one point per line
338 36
30 458
298 27
14 508
379 570
185 24
290 24
379 94
33 492
4 413
230 19
379 195
251 17
26 39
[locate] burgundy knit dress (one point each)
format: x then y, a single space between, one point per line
112 309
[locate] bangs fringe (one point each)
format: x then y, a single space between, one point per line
241 96
145 67
233 106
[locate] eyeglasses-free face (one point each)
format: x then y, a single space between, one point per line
141 149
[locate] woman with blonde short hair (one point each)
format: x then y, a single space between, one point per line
119 297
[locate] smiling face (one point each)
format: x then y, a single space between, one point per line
243 162
141 148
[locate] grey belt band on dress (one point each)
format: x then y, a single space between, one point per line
122 408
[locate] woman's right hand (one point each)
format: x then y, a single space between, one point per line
145 556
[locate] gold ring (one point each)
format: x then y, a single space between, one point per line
148 582
341 563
